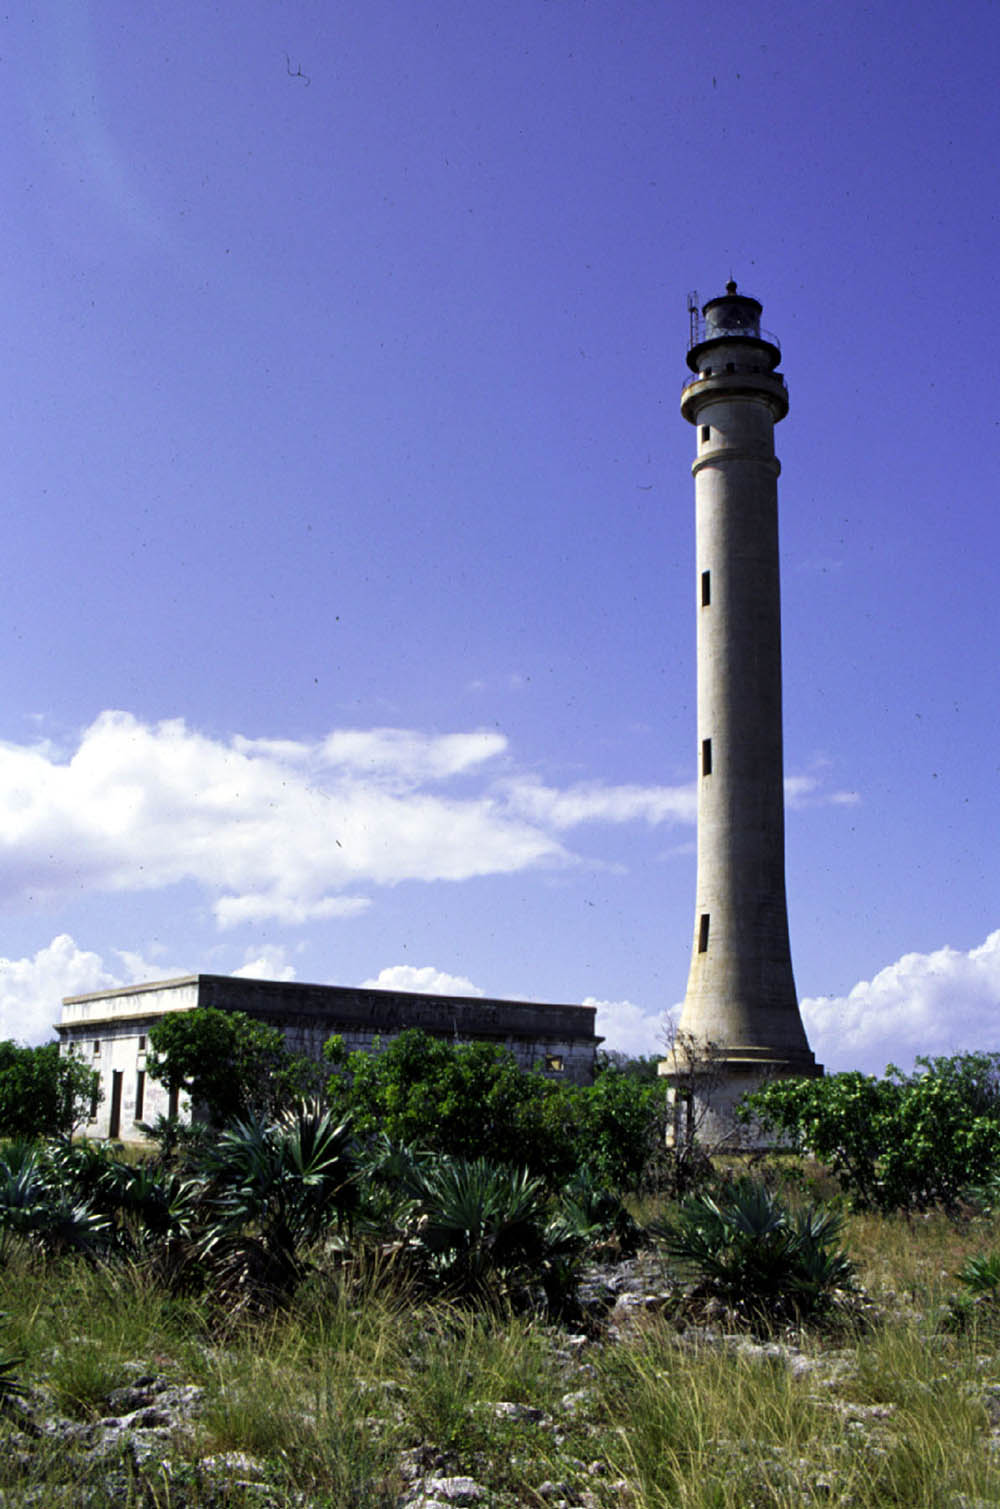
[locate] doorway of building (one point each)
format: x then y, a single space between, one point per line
115 1119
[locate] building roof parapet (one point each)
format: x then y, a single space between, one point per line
132 990
336 1007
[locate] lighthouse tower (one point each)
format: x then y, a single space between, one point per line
740 1023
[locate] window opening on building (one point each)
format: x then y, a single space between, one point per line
706 757
706 433
140 1092
706 588
97 1045
142 1045
554 1063
703 934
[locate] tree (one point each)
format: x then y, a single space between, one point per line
465 1099
902 1142
622 1125
471 1100
229 1064
696 1131
644 1066
42 1093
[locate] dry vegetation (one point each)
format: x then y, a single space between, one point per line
360 1393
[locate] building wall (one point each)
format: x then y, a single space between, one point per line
109 1031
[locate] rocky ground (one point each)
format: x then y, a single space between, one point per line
146 1445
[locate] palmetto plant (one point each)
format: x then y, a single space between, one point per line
595 1213
273 1187
980 1276
38 1207
390 1185
481 1226
749 1250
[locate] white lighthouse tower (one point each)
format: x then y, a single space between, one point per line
740 1023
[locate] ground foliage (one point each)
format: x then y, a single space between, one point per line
294 1310
43 1094
472 1100
229 1064
899 1142
362 1391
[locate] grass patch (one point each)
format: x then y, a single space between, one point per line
359 1386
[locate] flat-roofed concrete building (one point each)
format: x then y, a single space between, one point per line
110 1029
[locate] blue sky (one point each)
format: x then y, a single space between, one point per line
347 589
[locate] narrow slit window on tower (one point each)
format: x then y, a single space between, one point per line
706 757
706 433
706 588
703 933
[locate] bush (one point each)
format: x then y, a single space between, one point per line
903 1142
461 1099
747 1249
42 1093
622 1128
472 1100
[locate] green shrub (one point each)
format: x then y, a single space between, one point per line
480 1226
472 1100
903 1142
39 1207
747 1249
42 1093
273 1188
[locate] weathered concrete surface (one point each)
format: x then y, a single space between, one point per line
741 995
109 1030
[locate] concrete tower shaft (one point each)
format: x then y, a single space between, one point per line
741 995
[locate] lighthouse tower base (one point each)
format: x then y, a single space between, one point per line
706 1083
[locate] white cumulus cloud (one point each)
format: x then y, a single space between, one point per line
31 989
942 1002
423 978
284 830
268 963
628 1028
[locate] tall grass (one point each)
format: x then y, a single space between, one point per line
904 1424
327 1400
